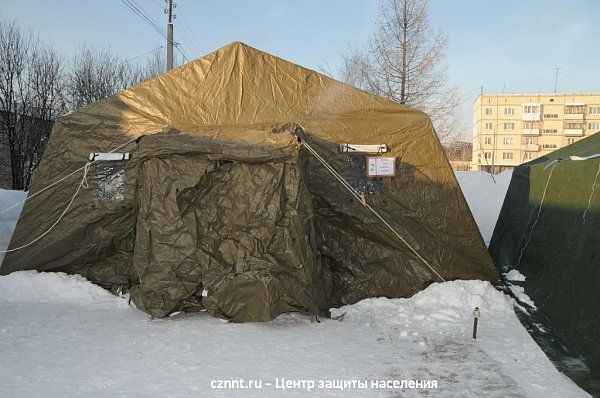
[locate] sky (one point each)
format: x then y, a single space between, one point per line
494 45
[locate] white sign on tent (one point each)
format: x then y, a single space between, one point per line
381 166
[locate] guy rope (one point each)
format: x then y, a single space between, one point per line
363 201
82 183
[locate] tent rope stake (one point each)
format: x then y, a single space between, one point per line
362 200
83 183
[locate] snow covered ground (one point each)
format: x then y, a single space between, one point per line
63 336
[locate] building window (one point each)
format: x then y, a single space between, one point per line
528 155
549 146
488 111
550 116
570 140
488 126
530 140
594 126
509 111
507 155
531 109
509 126
594 110
550 131
508 141
488 140
487 155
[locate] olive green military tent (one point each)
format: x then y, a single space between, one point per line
549 230
202 192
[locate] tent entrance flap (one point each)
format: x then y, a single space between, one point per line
242 232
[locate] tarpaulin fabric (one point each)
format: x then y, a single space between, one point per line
555 242
220 207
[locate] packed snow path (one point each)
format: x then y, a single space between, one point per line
63 336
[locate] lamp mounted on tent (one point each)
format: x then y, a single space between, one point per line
108 156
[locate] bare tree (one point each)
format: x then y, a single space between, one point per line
403 62
34 90
31 82
155 65
96 74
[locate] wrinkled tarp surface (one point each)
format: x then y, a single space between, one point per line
562 259
220 208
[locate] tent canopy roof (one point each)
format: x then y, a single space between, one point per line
241 104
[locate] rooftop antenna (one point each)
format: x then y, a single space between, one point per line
556 78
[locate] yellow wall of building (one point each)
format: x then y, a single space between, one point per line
506 131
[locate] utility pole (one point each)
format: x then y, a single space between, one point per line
169 12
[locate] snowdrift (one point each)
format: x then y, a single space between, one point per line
52 345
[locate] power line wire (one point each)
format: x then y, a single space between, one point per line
188 38
142 54
195 40
158 4
181 51
130 4
143 14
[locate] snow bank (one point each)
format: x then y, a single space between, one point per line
9 219
437 322
53 346
485 197
514 276
56 287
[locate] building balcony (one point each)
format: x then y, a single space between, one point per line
573 132
507 162
531 117
531 147
531 131
574 111
574 116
